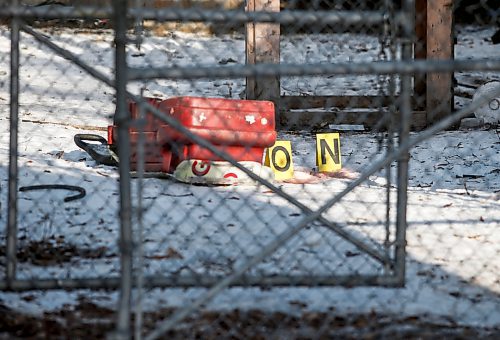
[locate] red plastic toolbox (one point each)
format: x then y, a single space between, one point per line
194 151
248 123
156 157
241 128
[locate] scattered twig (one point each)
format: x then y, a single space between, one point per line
178 195
76 126
465 186
103 174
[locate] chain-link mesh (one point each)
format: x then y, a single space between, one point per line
250 169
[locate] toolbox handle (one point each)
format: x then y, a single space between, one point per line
106 158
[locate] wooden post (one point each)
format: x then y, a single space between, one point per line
420 51
263 46
440 45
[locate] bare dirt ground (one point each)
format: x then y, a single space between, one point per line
89 321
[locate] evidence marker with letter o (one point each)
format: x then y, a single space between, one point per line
328 158
279 159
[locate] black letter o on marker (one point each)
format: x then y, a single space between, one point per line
287 155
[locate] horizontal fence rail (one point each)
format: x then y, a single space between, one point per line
320 18
266 70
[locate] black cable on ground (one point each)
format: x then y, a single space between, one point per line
81 191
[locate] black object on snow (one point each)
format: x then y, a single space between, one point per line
495 38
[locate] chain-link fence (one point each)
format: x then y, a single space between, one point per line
293 169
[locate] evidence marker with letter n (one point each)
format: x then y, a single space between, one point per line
328 158
279 159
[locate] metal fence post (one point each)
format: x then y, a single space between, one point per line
404 134
13 166
139 239
122 122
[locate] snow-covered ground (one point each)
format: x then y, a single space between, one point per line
453 261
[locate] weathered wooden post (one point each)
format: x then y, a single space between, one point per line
420 52
263 46
440 45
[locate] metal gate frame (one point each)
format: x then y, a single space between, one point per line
395 274
123 75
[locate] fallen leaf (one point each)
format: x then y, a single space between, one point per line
173 254
298 303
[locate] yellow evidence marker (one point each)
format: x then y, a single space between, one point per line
328 158
279 159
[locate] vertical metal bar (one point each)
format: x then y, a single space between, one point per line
122 120
139 237
404 134
13 166
388 38
138 25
